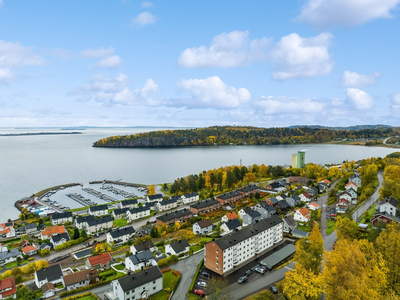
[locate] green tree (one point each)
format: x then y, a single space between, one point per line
346 228
76 234
84 234
216 289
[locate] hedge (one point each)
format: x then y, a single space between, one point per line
168 260
79 296
165 270
195 275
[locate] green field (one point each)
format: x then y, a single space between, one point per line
330 226
120 222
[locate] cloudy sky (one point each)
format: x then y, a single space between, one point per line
199 63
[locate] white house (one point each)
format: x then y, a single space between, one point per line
137 213
388 205
356 179
99 224
345 195
167 204
9 256
61 218
146 245
120 236
81 222
119 213
80 279
244 211
230 226
188 198
351 185
139 285
178 247
156 197
132 203
302 215
352 192
52 274
48 290
140 260
98 211
202 227
313 206
59 239
305 197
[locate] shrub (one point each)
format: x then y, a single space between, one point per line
176 273
165 270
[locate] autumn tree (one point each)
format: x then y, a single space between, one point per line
40 264
152 190
309 251
303 284
346 228
177 225
249 177
216 289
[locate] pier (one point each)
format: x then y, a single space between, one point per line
99 195
118 191
135 185
81 200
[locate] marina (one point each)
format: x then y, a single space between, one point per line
81 200
99 195
118 191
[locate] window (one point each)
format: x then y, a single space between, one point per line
154 288
154 281
216 251
216 268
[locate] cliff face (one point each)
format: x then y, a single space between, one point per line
166 141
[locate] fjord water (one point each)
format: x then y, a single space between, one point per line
29 164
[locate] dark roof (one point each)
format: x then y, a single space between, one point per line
275 185
169 201
204 223
154 197
180 245
44 245
58 237
144 246
283 196
355 176
8 254
247 209
83 253
121 232
233 224
120 211
51 273
31 225
391 201
300 232
254 214
290 221
129 202
138 279
229 195
249 188
239 236
191 195
63 215
84 219
269 207
142 257
100 221
99 207
150 204
296 198
177 198
273 200
139 209
205 203
173 215
283 204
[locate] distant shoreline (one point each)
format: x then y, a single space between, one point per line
39 133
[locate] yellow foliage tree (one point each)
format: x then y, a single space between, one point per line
99 248
303 284
7 274
249 177
26 270
177 225
152 190
40 264
346 228
309 251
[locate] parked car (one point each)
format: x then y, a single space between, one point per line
202 283
248 272
273 289
260 270
242 279
199 292
205 274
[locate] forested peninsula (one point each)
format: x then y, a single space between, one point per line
240 135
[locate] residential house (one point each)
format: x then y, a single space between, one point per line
229 216
234 250
172 217
251 218
25 243
302 215
305 197
178 247
275 185
8 288
48 290
249 190
156 197
59 239
384 217
342 203
167 204
321 187
31 228
44 246
291 201
48 232
61 218
99 261
29 250
313 206
140 285
138 213
188 198
272 201
119 213
205 206
244 210
151 205
266 210
326 181
229 197
265 192
352 192
52 274
282 205
345 195
82 254
81 222
131 203
356 179
297 199
80 279
98 211
99 224
388 205
300 233
351 185
230 226
120 236
146 245
202 227
312 191
7 230
289 224
140 260
9 256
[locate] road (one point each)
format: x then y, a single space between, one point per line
322 201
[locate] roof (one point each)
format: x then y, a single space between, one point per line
139 209
283 204
84 275
191 195
142 257
239 236
313 204
28 248
63 215
84 219
386 215
98 208
51 273
120 211
44 245
101 259
269 207
169 201
247 209
304 211
249 188
290 221
275 185
232 215
8 254
204 223
300 232
6 284
143 246
296 198
278 256
205 203
233 224
100 221
326 181
273 200
53 230
129 202
138 279
305 194
344 193
180 245
254 214
83 253
229 195
121 232
154 197
31 225
58 237
47 287
391 201
173 215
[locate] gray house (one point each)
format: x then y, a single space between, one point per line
297 199
289 224
291 201
251 218
265 209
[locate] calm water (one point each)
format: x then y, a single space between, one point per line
29 164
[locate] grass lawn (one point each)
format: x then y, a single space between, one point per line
119 267
47 223
120 222
192 296
330 226
195 248
303 227
11 265
23 262
89 297
169 281
163 295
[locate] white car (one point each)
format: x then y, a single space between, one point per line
202 283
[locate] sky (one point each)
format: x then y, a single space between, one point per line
199 63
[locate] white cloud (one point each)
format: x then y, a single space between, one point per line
227 50
6 75
109 62
330 13
359 99
211 92
61 53
288 106
143 19
147 4
16 55
395 102
298 57
97 53
353 79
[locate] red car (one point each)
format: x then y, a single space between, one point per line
199 292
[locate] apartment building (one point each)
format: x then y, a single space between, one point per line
61 218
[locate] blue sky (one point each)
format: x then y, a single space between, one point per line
199 63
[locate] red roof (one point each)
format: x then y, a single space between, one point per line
7 283
306 195
326 181
232 216
351 183
28 248
305 212
101 259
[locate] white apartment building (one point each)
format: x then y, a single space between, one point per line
167 204
137 213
